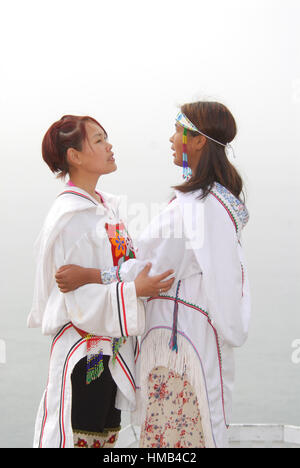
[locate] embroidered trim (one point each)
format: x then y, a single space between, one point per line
113 429
124 310
45 415
119 311
90 433
236 204
109 276
234 207
231 215
62 398
122 316
78 195
81 443
87 439
121 244
126 371
118 274
179 299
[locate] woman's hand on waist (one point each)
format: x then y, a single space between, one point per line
147 286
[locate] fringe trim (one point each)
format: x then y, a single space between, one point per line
156 352
99 434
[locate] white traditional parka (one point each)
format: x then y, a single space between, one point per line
194 327
79 230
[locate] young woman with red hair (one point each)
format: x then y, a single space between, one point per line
93 329
186 362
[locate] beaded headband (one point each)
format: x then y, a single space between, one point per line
182 120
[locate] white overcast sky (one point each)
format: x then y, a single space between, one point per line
130 65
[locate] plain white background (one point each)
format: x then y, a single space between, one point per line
130 65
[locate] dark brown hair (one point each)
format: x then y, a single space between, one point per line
68 132
216 121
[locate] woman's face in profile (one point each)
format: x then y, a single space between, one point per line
96 154
177 145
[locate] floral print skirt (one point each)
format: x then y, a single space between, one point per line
172 419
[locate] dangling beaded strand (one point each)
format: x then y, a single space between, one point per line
116 345
95 365
187 172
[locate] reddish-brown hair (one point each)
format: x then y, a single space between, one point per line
68 132
216 121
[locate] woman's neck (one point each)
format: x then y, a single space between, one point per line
86 185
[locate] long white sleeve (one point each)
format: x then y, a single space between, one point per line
226 284
164 245
224 272
105 310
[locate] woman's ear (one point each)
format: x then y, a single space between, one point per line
73 157
199 142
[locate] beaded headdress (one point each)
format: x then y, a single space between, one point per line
183 120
